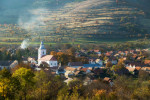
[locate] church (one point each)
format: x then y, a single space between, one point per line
49 59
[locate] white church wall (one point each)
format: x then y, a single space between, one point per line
52 63
41 52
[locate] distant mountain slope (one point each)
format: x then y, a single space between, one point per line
80 20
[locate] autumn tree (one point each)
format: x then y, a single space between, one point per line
8 85
25 77
109 64
71 51
54 53
41 85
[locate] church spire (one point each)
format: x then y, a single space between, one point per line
42 45
41 50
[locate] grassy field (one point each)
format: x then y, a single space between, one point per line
80 23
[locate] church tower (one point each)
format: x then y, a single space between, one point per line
41 50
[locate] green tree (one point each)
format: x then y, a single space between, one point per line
41 87
25 77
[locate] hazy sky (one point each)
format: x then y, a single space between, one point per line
15 3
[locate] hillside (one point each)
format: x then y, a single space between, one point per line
78 21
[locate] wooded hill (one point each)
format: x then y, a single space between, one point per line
77 21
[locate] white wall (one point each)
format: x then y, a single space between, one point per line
51 63
41 52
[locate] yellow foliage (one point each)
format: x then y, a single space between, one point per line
99 92
4 85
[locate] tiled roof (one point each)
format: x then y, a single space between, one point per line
77 72
48 58
75 64
106 79
96 50
146 68
130 69
70 69
147 62
6 63
137 68
84 69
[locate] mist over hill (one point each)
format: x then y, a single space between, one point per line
77 20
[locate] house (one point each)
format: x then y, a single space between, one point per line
134 56
98 52
49 59
60 71
109 80
69 71
147 62
86 70
92 66
138 68
75 64
68 80
132 70
100 62
92 61
133 65
108 54
32 60
112 60
79 73
8 64
147 69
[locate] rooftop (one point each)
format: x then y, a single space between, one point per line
48 58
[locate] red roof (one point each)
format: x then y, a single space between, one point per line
147 62
84 69
137 68
107 79
96 50
48 58
130 69
108 54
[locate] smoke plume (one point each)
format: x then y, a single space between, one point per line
24 44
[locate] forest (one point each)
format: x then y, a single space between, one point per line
23 83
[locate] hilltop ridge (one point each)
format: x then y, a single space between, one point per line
89 21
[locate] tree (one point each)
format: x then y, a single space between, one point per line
71 51
41 86
120 68
141 93
25 77
54 53
143 75
124 87
105 58
9 86
21 65
109 64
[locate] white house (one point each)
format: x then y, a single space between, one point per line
69 71
8 64
49 59
100 62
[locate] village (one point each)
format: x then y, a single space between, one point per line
104 65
